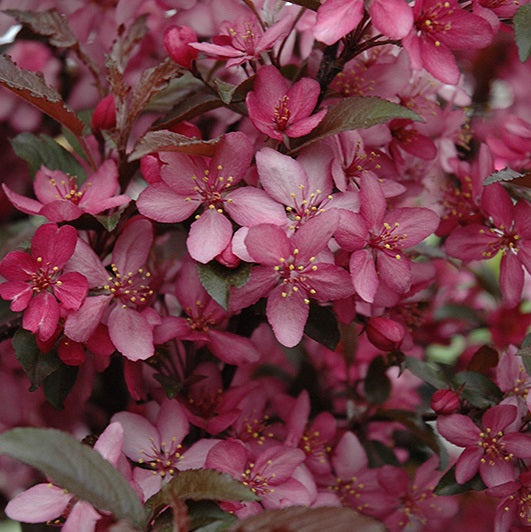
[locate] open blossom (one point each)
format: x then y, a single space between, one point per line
439 28
378 237
244 40
59 198
35 282
122 297
277 109
48 502
509 234
188 183
491 449
290 273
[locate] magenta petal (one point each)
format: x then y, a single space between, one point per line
133 246
415 223
349 456
497 471
269 86
41 316
303 96
459 430
330 282
499 417
372 200
130 333
38 504
72 291
18 266
519 444
54 245
496 202
468 463
439 61
102 184
352 233
160 203
363 274
394 272
228 457
260 283
85 261
232 348
511 279
22 203
393 18
287 316
18 292
314 235
305 125
81 324
336 18
224 160
209 235
61 211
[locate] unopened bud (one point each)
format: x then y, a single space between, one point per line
444 402
384 333
228 258
104 116
176 39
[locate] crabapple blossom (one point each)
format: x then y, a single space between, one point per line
36 282
177 40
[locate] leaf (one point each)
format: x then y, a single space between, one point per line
32 88
478 390
36 365
217 279
57 386
506 174
522 31
483 360
188 108
354 113
127 39
43 150
50 24
199 485
75 467
429 373
109 221
308 4
525 352
206 516
377 385
322 326
449 486
155 141
302 519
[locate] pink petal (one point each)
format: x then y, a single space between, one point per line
330 282
209 235
352 233
41 316
178 171
459 430
414 224
85 261
130 333
224 160
133 246
468 463
305 125
82 518
499 471
109 444
439 61
72 291
336 18
139 435
499 417
160 203
61 211
363 274
511 279
81 324
260 283
314 235
394 272
287 316
393 18
172 423
38 504
349 456
102 184
303 97
372 200
496 202
249 206
54 244
232 348
276 246
22 203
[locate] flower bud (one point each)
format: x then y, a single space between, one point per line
176 39
444 402
104 116
384 333
228 258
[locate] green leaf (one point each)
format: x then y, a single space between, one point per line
302 519
429 373
36 365
218 279
57 386
478 390
377 385
449 486
154 141
75 467
522 31
525 352
354 113
109 221
32 88
506 174
43 150
206 516
199 485
322 326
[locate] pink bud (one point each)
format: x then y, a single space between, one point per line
444 402
385 333
187 129
104 116
176 39
150 168
228 258
70 352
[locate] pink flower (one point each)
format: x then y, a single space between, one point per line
510 233
415 501
279 110
491 449
188 183
439 28
289 274
47 502
121 296
35 281
244 40
336 18
385 333
378 238
60 199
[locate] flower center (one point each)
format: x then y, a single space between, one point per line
293 276
210 188
162 460
432 22
132 288
67 189
494 449
389 240
44 277
282 113
256 482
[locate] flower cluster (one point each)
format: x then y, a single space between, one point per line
268 256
